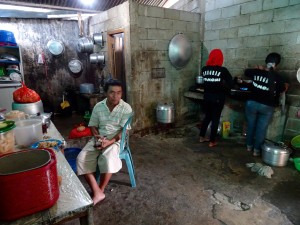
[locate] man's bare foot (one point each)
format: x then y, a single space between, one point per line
98 197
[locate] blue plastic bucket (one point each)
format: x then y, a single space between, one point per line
7 37
71 156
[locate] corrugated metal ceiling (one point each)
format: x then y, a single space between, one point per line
76 5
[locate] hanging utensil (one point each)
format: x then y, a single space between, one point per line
98 39
97 58
80 24
180 51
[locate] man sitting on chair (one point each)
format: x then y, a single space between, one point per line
107 120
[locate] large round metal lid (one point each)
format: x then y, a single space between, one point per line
55 47
180 51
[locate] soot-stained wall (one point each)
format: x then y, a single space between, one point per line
53 77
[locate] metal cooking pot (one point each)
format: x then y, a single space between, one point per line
85 45
98 39
199 79
29 108
97 58
30 170
165 113
275 154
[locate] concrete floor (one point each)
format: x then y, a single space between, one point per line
183 182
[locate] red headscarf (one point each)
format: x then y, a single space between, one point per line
215 58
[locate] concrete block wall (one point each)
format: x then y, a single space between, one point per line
151 32
148 31
247 30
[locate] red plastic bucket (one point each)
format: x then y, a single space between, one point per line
28 181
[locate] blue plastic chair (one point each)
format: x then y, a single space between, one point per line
125 154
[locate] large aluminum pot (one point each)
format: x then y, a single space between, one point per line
275 154
85 45
98 39
97 58
29 183
29 108
165 113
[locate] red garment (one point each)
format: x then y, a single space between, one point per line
215 58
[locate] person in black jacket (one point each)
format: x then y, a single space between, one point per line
217 83
265 91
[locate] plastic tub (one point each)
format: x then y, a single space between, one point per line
7 138
297 163
71 156
7 37
28 132
295 142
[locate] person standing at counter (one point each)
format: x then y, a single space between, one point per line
107 120
217 83
265 91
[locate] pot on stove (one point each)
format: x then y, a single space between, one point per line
199 79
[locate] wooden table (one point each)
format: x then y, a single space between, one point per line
73 202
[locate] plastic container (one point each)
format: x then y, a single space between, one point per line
7 37
297 163
28 132
71 156
7 138
15 115
295 142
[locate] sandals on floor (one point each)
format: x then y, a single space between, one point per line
203 139
212 144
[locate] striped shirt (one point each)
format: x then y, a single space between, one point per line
110 123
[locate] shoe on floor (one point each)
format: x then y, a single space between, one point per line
212 144
249 149
203 139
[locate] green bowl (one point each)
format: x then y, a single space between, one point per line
295 142
297 163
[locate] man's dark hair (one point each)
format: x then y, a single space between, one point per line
273 58
112 82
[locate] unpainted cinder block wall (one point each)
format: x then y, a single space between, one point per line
246 31
148 31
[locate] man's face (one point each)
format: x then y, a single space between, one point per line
114 94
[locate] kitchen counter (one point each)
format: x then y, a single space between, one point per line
193 95
73 202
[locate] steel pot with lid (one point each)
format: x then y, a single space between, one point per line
165 113
275 154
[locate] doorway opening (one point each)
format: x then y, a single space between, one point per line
115 43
